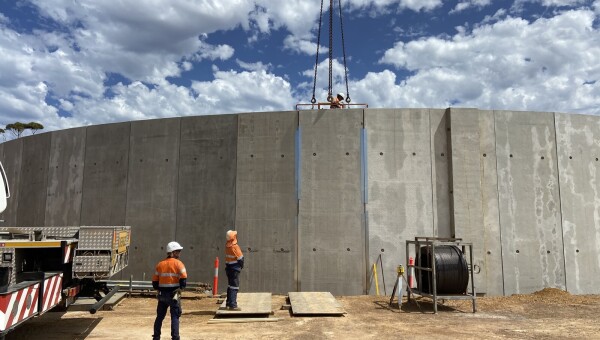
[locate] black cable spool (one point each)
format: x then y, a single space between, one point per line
452 273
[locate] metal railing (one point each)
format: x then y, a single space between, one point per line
131 286
327 105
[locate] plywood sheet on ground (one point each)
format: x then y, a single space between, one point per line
249 303
320 303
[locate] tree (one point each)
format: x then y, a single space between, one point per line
34 127
16 129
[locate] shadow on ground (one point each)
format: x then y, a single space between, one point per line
414 306
55 327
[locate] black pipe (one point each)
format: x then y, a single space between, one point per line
101 303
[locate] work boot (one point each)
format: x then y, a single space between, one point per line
237 309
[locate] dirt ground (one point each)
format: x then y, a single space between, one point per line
548 314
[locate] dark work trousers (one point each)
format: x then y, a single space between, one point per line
165 300
233 281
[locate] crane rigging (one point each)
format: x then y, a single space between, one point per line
329 88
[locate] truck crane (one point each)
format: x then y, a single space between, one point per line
45 267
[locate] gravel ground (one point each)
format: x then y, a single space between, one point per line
549 314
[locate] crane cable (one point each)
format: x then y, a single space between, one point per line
330 86
344 53
313 100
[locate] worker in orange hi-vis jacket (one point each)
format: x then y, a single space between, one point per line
169 279
234 262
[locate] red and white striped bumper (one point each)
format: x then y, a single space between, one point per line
18 306
52 292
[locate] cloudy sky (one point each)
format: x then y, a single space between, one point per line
68 63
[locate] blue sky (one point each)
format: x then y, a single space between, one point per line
71 63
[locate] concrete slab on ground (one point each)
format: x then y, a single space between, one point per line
249 303
315 303
85 303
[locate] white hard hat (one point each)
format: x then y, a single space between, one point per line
172 246
230 234
341 95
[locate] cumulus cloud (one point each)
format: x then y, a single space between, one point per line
146 42
257 66
553 3
233 91
384 5
546 65
465 4
222 52
302 46
58 74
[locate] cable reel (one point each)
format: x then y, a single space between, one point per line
452 272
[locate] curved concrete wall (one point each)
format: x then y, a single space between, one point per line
319 196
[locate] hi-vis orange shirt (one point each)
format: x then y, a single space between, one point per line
168 272
233 253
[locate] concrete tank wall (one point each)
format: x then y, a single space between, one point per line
319 196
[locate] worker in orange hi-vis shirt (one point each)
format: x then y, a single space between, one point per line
169 279
234 262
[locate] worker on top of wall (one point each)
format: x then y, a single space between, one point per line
336 102
169 279
234 262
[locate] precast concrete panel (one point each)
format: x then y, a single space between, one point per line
439 173
578 146
12 160
399 206
65 177
529 202
331 238
152 193
492 243
206 193
104 195
31 210
474 198
266 202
